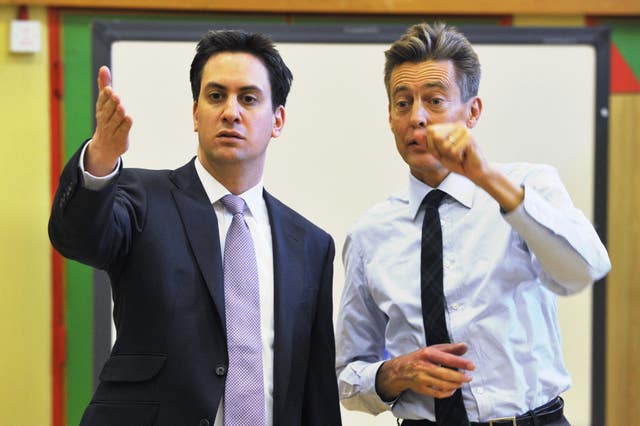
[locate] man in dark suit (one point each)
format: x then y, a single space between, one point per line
161 236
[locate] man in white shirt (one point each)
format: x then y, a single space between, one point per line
205 336
457 324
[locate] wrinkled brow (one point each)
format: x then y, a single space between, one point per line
429 85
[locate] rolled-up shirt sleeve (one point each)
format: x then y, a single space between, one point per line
566 248
359 337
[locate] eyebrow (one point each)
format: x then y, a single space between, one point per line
399 89
249 88
429 85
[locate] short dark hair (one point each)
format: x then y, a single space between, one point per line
423 42
259 45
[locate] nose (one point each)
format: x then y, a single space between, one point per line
231 112
418 116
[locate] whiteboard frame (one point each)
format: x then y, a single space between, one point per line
105 33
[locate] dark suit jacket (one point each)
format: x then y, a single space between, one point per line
156 234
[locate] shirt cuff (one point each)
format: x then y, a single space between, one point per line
357 383
95 183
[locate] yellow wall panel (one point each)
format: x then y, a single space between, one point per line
25 280
623 292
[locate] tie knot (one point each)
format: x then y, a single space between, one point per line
233 203
433 198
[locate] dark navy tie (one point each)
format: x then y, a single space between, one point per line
449 411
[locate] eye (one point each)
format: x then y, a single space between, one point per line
249 99
401 104
216 96
437 102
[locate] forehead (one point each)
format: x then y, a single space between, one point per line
410 75
235 69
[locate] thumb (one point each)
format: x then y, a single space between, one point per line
104 77
453 348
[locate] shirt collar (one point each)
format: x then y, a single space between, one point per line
215 191
457 186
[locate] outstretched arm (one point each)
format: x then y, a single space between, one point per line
94 225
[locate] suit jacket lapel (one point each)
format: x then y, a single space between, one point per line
288 276
201 227
288 265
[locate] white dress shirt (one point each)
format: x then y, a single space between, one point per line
502 274
257 219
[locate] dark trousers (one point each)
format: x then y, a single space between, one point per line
560 422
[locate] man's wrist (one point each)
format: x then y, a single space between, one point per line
508 195
97 163
90 181
386 382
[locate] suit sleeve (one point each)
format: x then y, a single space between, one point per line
321 406
96 227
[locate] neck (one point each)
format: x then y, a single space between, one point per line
236 177
433 177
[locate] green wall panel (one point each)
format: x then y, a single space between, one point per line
77 124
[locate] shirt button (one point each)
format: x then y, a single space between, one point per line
480 390
455 306
204 422
221 370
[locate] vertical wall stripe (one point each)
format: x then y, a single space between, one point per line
77 122
58 357
25 288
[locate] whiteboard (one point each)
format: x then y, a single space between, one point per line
336 156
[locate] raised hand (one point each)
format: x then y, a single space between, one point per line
456 149
454 146
429 371
111 137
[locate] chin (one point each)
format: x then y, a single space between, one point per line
423 162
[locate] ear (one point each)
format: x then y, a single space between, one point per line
475 110
195 116
279 116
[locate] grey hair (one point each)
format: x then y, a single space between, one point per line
423 42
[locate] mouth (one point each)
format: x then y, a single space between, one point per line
229 134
